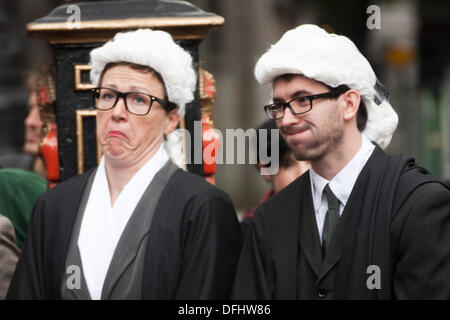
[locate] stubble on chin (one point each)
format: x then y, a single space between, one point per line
319 146
309 152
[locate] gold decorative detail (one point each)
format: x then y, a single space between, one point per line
46 96
78 68
181 28
80 115
207 91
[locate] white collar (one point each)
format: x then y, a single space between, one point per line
102 225
342 184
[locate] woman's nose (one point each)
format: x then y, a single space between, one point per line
120 111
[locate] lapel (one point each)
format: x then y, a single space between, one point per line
73 253
334 251
83 292
71 200
308 234
136 229
351 208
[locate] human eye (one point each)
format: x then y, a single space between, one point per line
276 106
140 99
274 109
107 95
300 102
302 99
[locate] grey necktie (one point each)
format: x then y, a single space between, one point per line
331 218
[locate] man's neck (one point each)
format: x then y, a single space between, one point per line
335 160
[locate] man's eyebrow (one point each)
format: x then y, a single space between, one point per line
301 93
296 94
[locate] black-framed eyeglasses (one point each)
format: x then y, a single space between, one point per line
136 103
300 105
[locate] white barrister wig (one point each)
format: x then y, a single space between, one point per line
156 49
334 60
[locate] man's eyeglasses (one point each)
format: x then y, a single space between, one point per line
136 103
300 105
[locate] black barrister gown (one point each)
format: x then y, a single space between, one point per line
395 226
191 252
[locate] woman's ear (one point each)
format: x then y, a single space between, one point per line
173 118
351 100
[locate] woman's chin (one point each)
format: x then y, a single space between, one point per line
116 153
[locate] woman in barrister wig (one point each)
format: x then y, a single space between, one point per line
137 226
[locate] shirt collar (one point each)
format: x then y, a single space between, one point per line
317 184
342 184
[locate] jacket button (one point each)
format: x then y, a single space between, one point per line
322 293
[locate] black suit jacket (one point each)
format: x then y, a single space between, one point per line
281 257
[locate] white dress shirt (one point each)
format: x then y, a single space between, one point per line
102 225
341 185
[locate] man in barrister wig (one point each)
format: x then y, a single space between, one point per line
138 226
360 224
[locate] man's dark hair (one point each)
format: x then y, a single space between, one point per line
361 116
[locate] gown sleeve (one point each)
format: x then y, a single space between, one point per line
250 282
423 265
211 241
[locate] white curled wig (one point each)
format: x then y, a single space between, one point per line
155 49
334 60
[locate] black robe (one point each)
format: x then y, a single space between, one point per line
397 218
192 251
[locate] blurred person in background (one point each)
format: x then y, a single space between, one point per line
19 190
29 159
9 254
289 168
22 174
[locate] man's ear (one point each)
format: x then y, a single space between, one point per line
350 101
173 117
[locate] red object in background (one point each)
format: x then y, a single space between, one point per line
48 148
49 154
210 142
210 139
43 95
